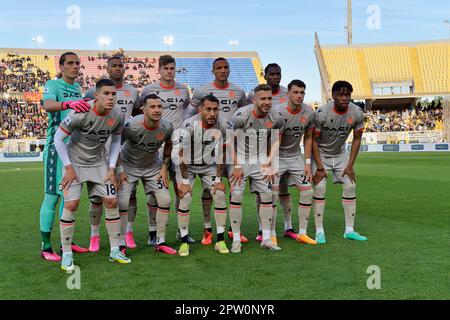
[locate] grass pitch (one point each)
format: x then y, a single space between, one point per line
403 208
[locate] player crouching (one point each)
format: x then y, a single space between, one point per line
143 136
202 141
84 159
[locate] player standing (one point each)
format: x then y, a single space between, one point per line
208 130
175 99
334 122
143 136
257 122
127 100
60 96
84 158
294 168
231 97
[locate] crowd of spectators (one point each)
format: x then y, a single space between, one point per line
418 118
21 120
19 74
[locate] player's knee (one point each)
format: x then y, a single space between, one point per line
112 214
71 205
163 199
185 202
236 198
219 199
348 190
151 200
266 197
110 203
206 194
320 189
123 203
307 192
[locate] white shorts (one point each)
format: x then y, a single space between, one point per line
207 174
257 181
95 180
336 164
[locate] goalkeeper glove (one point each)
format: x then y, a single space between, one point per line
77 105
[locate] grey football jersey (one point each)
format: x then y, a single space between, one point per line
295 126
194 133
127 99
279 98
334 128
254 127
141 144
89 133
175 99
231 98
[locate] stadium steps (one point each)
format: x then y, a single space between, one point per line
364 74
417 74
259 71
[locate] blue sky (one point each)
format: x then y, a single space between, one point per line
280 31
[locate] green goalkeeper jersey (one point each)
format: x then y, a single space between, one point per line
58 90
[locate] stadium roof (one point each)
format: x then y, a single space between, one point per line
386 70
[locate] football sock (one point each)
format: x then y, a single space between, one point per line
183 216
95 215
304 209
266 214
206 206
285 200
132 210
152 208
319 204
349 204
112 220
236 216
258 203
162 215
47 218
220 211
67 228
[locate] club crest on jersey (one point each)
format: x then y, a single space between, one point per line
282 100
350 120
269 124
177 92
232 94
110 122
160 136
127 93
303 119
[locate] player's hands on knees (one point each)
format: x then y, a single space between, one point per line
319 175
184 189
111 177
69 177
77 105
121 178
164 176
237 176
307 172
218 186
350 173
268 173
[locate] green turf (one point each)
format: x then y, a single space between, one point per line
403 208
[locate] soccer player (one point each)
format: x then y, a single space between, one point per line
60 96
231 97
143 136
202 142
127 100
334 122
256 121
272 74
175 99
296 169
84 159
